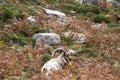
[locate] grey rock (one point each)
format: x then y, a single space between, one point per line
115 4
3 1
61 21
60 17
47 38
67 34
73 12
79 38
80 1
88 1
31 19
94 1
55 12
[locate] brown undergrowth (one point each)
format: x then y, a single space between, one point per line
24 63
15 64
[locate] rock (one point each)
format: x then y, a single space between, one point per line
48 38
80 1
61 21
76 37
94 1
114 4
72 52
79 38
31 19
88 1
55 12
59 17
101 26
3 1
67 34
7 27
73 12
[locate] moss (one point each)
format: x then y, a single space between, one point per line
86 8
66 41
88 52
7 14
117 11
16 38
0 15
45 58
20 16
112 24
118 1
35 29
100 19
31 10
44 29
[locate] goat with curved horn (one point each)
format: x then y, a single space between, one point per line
55 64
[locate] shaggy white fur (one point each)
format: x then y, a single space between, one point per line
55 64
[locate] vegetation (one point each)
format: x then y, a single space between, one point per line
20 60
45 58
7 14
100 19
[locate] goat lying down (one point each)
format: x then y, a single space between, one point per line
55 64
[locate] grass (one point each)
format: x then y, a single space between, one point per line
20 60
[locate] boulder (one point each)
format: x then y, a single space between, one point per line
58 16
80 1
79 38
68 33
3 1
47 38
114 4
75 37
73 12
101 26
55 12
31 19
88 1
61 21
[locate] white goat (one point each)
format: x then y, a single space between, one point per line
55 64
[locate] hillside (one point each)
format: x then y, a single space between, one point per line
94 29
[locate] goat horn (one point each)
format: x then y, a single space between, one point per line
58 49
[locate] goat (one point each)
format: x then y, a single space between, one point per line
55 64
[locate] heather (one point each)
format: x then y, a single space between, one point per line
22 59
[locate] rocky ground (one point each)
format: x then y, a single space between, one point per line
30 30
